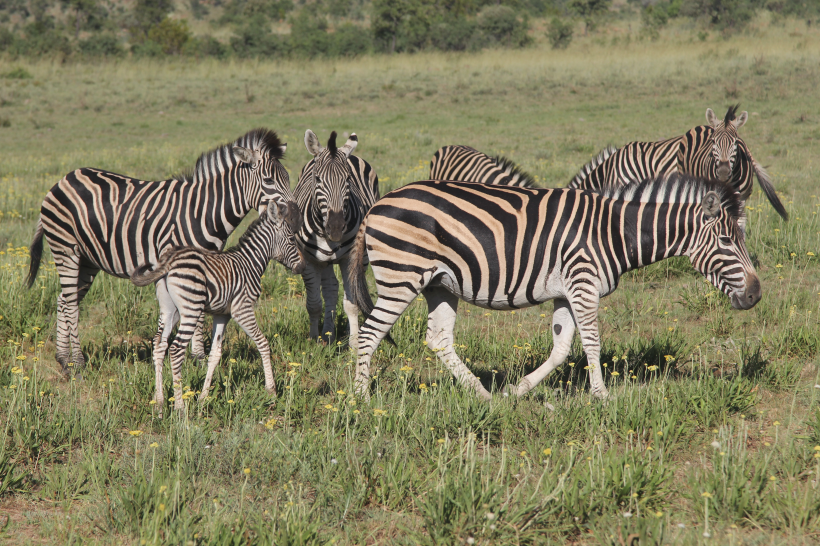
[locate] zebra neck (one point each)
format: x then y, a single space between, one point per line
218 197
255 247
652 232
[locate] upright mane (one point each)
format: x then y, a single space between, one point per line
511 168
331 144
243 239
593 164
677 188
730 114
264 140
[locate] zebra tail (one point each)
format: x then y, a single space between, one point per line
359 292
766 185
35 253
143 276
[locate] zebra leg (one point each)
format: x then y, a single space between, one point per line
330 293
351 309
386 312
441 319
216 352
198 340
584 303
63 344
168 318
313 296
563 330
247 321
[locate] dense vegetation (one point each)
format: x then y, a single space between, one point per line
330 28
715 416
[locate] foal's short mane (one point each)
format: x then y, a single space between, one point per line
507 164
677 188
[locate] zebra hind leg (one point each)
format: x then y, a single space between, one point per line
198 340
584 304
247 321
168 318
216 353
441 319
563 331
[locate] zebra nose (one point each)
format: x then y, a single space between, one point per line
723 171
335 225
753 291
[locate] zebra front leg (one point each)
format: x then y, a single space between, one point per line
563 330
584 305
313 297
247 321
441 319
198 340
351 309
216 352
330 293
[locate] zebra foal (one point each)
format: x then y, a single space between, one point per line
713 151
96 220
193 281
335 191
502 247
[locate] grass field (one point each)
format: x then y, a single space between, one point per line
711 436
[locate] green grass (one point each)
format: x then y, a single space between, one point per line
715 414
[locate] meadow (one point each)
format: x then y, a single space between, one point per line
712 435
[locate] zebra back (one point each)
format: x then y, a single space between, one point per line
466 164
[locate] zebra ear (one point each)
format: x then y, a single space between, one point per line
312 143
711 204
350 145
740 121
711 118
244 155
276 209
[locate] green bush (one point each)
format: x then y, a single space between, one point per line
256 40
171 35
101 45
308 35
454 34
148 48
350 40
500 26
560 33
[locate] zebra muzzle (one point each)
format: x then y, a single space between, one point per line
750 296
723 171
335 225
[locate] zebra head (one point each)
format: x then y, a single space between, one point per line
724 141
331 178
283 247
719 249
258 154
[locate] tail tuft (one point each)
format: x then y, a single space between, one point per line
35 253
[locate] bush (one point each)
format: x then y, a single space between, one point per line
256 40
308 35
500 26
147 48
101 45
454 34
560 33
350 40
208 46
654 18
722 14
171 35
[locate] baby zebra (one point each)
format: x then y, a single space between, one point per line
192 281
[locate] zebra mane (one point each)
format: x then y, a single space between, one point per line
593 164
730 114
331 144
677 188
248 232
510 167
264 140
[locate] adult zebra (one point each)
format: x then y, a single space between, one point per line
507 248
458 162
96 220
335 191
712 151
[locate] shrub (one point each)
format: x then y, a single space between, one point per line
208 46
171 35
148 48
256 40
453 34
350 40
101 45
308 35
501 26
560 33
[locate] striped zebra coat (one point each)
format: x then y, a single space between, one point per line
506 248
96 220
194 281
713 151
335 191
457 162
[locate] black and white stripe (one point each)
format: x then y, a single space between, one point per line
458 162
335 191
96 220
713 151
193 281
505 248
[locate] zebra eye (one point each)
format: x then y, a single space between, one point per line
727 241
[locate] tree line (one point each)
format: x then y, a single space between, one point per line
333 28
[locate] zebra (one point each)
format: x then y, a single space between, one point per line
95 220
457 162
710 151
502 247
193 281
335 191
